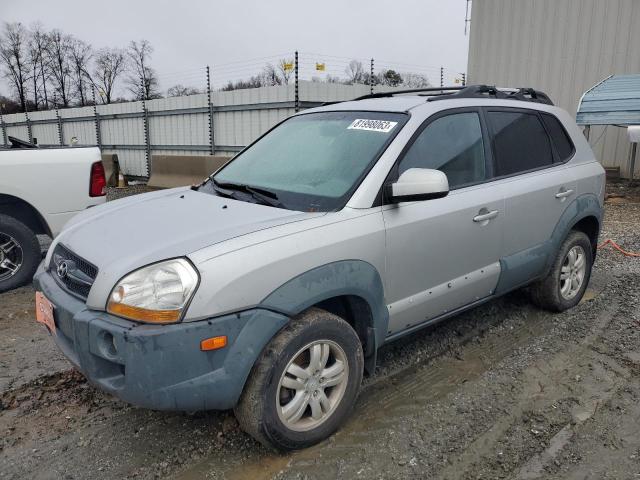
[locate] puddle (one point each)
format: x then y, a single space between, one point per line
383 401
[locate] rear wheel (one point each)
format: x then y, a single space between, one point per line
20 253
569 276
305 383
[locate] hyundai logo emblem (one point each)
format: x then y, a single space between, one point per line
62 269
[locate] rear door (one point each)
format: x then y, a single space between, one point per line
529 150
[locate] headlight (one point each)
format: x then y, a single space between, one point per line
155 294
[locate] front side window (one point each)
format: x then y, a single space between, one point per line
452 144
312 162
520 142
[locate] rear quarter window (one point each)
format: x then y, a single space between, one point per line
559 137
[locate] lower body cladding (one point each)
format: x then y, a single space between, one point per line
160 366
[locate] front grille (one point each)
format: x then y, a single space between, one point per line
72 272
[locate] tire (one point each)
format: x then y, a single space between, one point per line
550 292
260 409
21 248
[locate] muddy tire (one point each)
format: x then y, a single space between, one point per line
20 253
305 383
569 276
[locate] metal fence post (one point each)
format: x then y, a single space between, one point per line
297 98
147 141
60 132
212 145
442 76
371 78
4 131
29 131
97 119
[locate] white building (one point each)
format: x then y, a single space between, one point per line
562 47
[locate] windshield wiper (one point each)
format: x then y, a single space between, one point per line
266 197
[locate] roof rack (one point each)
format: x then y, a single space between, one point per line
525 94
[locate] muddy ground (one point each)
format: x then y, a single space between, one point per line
503 391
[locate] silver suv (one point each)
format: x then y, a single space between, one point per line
270 287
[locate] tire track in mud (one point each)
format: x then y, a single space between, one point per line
405 392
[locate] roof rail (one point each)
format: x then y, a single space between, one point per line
525 94
411 90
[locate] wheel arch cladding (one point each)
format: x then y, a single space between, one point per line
356 279
23 212
523 267
584 214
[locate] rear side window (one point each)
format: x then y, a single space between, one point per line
559 137
520 142
452 144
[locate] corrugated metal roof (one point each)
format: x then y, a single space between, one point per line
613 101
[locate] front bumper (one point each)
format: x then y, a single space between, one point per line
160 366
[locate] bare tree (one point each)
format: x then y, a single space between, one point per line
38 41
270 76
80 54
180 91
414 80
109 65
14 59
355 72
143 81
284 69
59 61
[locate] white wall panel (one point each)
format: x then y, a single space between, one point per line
562 47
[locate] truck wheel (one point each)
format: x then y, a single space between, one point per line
304 384
569 276
20 253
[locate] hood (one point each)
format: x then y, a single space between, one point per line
123 235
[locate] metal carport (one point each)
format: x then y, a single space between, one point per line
613 101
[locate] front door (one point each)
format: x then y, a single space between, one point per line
443 254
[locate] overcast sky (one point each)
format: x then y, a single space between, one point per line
188 34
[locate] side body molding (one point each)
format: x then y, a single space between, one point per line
523 267
344 277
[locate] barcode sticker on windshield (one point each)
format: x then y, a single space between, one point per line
384 126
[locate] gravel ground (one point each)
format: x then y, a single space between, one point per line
503 391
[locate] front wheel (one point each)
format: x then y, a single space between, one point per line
20 253
304 384
567 280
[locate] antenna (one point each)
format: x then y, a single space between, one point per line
467 20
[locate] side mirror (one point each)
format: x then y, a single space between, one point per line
419 184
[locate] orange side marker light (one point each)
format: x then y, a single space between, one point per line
213 343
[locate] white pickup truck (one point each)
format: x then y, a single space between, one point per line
40 190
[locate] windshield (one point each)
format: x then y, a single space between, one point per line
312 162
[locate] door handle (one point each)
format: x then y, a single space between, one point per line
564 193
483 217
